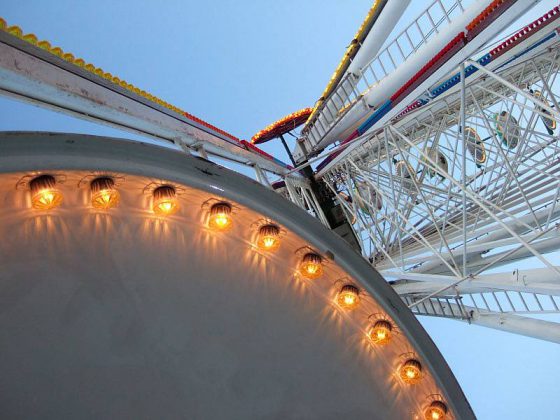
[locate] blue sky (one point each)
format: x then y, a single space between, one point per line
241 65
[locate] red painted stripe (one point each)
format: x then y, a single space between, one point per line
526 32
330 157
253 148
409 108
450 49
352 136
486 17
211 127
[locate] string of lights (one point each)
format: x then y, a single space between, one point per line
282 126
46 195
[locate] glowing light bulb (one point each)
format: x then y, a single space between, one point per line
348 297
103 193
380 333
269 238
44 194
411 371
311 266
165 201
220 217
437 410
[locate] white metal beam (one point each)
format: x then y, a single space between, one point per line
522 325
537 280
33 75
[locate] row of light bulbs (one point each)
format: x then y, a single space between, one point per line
45 196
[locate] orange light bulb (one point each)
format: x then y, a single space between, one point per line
437 410
44 194
311 266
103 193
348 297
269 238
411 371
268 243
220 217
381 332
165 201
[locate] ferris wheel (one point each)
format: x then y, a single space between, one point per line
452 126
433 153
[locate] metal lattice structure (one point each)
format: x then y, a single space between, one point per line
443 195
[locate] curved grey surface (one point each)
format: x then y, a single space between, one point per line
122 316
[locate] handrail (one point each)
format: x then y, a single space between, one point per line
351 88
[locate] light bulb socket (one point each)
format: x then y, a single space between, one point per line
439 405
165 201
351 289
349 296
44 193
411 366
220 208
311 266
269 230
269 237
103 193
42 182
102 183
220 217
413 363
380 333
164 192
382 324
312 258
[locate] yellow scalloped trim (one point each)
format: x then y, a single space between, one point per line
14 30
45 45
279 122
59 52
69 57
31 38
347 58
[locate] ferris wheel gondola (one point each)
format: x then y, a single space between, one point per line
368 194
442 165
549 122
406 174
507 129
475 146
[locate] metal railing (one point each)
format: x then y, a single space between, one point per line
406 43
492 301
444 307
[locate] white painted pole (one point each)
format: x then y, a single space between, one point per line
538 280
379 93
530 327
378 34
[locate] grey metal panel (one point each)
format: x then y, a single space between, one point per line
249 351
